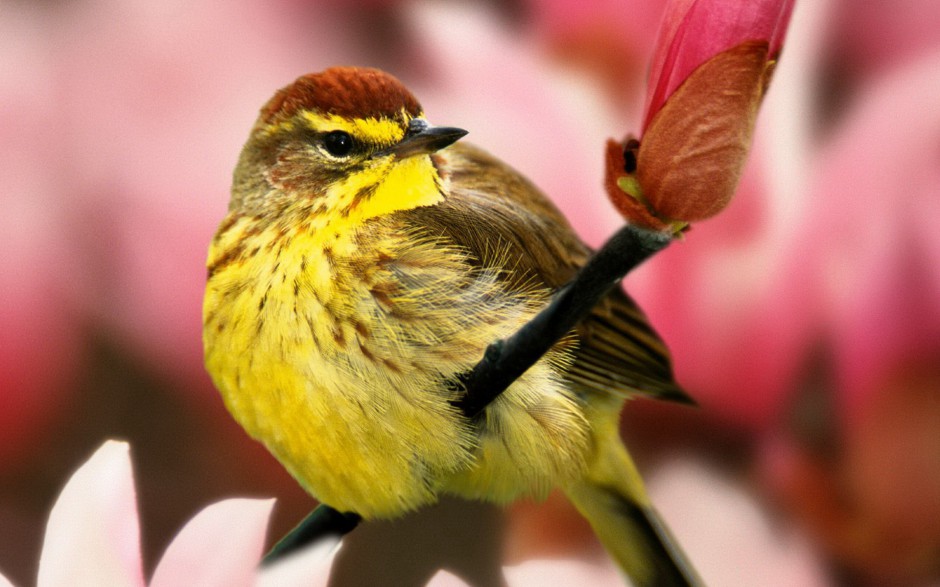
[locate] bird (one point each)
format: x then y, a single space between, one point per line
366 261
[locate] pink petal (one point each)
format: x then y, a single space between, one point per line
222 545
693 31
93 537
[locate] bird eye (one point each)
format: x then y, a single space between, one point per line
338 143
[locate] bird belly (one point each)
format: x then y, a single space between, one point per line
351 387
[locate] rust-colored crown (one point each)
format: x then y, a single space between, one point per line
345 91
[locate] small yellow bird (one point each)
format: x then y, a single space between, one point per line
365 263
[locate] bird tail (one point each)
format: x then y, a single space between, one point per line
612 498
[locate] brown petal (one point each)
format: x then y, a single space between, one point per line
692 154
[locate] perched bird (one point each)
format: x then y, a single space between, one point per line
366 261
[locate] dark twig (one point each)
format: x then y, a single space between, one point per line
320 523
505 360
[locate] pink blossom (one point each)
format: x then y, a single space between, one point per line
712 64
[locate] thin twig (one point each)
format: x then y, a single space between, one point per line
506 360
322 522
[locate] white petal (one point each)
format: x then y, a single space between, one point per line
93 536
4 582
221 546
446 579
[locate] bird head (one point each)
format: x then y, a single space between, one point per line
348 142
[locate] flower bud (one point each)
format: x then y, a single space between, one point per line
711 68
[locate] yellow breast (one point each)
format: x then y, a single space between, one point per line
337 350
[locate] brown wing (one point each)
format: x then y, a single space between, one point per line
617 350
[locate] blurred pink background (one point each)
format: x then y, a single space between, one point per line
805 318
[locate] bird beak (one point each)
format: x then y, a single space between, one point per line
422 139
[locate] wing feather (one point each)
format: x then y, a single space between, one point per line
523 233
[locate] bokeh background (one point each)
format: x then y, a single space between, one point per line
805 319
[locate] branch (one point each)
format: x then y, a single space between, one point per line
505 360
